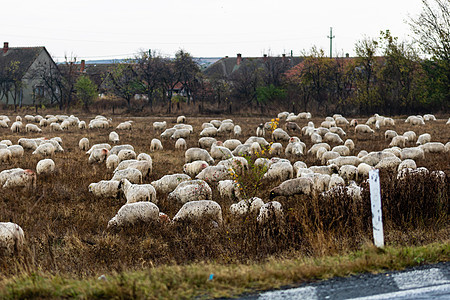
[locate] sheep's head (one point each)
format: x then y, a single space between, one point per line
91 187
274 192
112 223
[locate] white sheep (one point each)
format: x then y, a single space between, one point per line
270 212
3 124
156 145
181 119
342 150
220 152
447 147
193 154
280 135
168 183
229 189
407 163
348 172
32 128
295 149
282 171
429 117
315 147
160 126
336 180
144 156
375 157
237 131
410 136
180 144
362 128
363 170
390 134
144 166
136 192
389 163
412 153
231 144
56 142
213 174
28 143
345 160
126 154
328 170
113 137
316 138
46 149
350 144
276 149
398 141
16 151
112 161
5 155
423 139
101 146
132 174
45 167
194 168
245 206
82 125
238 164
242 150
12 238
320 152
260 140
167 133
6 142
433 147
98 155
202 210
226 128
206 142
55 126
20 178
190 190
123 126
83 144
180 133
255 148
132 213
116 149
328 156
333 138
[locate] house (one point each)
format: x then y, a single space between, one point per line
21 75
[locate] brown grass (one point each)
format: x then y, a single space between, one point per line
65 226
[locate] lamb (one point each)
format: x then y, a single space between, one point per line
112 161
206 142
270 212
83 144
116 149
132 174
200 211
168 183
194 168
220 152
407 163
156 145
167 133
296 186
245 206
423 139
124 126
45 167
132 213
126 154
16 151
20 178
280 135
11 238
229 189
213 174
144 166
46 149
412 153
237 131
232 144
101 146
276 149
398 141
362 128
348 172
193 154
181 119
390 134
113 137
433 147
159 126
191 190
180 144
137 192
32 128
279 171
98 155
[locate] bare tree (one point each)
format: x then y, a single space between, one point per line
149 68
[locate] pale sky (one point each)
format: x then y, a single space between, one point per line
102 29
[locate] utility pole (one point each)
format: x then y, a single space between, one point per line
331 37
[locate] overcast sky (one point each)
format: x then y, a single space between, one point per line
100 29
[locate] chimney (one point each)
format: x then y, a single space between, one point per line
82 65
265 57
239 59
5 47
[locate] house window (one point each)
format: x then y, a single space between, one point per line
39 91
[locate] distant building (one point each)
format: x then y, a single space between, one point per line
19 67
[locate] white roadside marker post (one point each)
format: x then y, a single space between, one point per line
375 199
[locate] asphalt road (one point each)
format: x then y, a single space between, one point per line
424 282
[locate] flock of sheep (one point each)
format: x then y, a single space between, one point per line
216 165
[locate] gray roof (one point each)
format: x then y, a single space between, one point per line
24 55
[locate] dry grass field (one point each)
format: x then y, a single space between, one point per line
66 227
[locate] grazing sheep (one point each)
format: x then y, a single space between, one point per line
315 147
11 239
20 178
123 126
296 186
280 135
282 171
414 120
46 149
209 132
245 206
144 156
137 192
226 128
5 155
433 147
220 152
181 119
350 144
316 138
271 212
213 174
28 143
237 131
193 154
328 156
16 151
429 117
55 126
101 146
362 128
180 133
348 172
132 213
82 125
180 144
144 166
335 180
447 147
407 163
374 157
390 134
207 125
242 150
229 189
276 149
83 144
232 144
260 140
238 164
341 121
156 145
412 153
200 211
410 136
16 126
191 190
297 165
328 124
363 170
32 128
391 163
118 148
113 137
3 124
45 167
194 168
168 183
291 126
342 150
423 139
112 162
160 126
333 138
132 174
398 141
295 149
126 154
167 133
206 142
345 160
327 170
98 155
